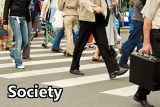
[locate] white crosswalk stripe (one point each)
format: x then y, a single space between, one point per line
46 55
48 71
81 80
125 91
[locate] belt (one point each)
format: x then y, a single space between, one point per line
18 17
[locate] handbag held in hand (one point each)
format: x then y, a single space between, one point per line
145 71
58 20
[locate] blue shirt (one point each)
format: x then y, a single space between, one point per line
130 20
53 10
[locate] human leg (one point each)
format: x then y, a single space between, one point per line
99 34
26 49
139 44
69 22
57 40
9 40
96 56
20 32
132 42
75 37
84 34
2 44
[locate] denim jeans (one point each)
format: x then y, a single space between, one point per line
132 41
60 33
139 44
20 31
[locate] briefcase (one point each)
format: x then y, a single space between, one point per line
145 71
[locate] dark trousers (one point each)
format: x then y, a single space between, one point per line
98 30
155 41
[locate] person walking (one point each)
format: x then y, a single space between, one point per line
69 8
47 14
34 15
19 16
139 44
92 20
136 33
151 28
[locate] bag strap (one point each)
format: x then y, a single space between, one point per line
107 4
49 10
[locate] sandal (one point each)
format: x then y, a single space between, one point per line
45 45
98 60
60 48
91 46
26 58
2 46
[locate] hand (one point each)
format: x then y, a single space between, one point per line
5 27
98 9
147 48
41 19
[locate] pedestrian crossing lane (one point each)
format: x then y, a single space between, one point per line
71 82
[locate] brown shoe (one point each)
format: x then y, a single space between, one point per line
98 60
8 48
120 51
2 46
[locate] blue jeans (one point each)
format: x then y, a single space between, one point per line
60 33
77 33
20 31
139 44
132 41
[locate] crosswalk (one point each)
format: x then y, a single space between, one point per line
47 61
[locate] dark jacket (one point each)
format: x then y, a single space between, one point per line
36 7
17 8
138 6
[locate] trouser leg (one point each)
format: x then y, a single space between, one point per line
26 50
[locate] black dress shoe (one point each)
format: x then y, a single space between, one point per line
56 51
124 65
77 72
68 55
117 73
144 103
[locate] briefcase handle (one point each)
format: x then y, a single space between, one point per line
149 55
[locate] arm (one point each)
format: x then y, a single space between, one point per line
91 7
114 3
6 12
60 5
88 5
5 15
130 15
44 9
149 14
146 30
31 6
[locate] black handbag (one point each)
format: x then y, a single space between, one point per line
145 71
108 14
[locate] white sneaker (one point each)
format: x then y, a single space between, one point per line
20 67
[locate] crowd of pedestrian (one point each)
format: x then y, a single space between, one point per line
20 17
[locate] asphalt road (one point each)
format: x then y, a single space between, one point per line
46 68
